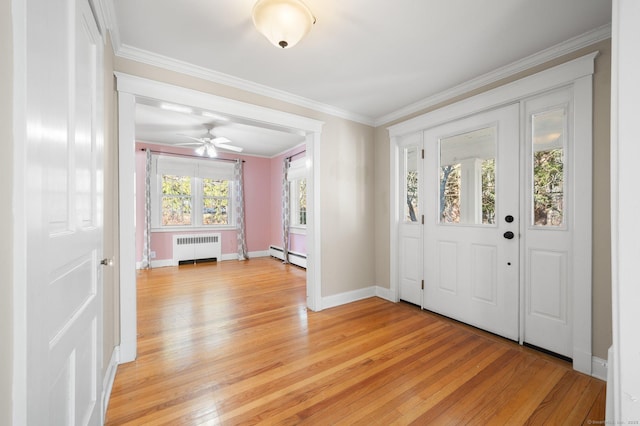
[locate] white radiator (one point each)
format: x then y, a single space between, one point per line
193 248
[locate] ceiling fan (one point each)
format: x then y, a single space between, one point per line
208 144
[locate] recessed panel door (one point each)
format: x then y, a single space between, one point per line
410 231
471 232
64 214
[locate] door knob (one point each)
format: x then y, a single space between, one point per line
508 235
106 262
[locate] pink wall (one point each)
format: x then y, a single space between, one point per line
258 199
297 242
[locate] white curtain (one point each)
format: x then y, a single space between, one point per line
285 210
146 244
239 182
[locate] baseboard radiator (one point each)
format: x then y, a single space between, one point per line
196 248
297 259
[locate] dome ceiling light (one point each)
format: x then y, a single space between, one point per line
283 22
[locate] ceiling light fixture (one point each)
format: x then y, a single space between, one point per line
283 22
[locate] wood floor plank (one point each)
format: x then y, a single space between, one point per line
232 343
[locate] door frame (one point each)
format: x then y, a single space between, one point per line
132 87
577 74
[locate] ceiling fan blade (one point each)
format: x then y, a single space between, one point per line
220 140
188 144
229 147
201 140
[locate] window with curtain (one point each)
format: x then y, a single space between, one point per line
297 177
191 193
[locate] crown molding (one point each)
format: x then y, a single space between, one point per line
561 49
150 58
107 21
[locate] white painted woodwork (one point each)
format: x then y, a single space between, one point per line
548 268
576 76
410 243
625 204
129 89
64 213
471 270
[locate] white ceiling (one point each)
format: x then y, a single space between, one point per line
366 60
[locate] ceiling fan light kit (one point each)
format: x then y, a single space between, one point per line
283 22
208 144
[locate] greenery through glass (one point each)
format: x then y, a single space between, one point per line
215 200
548 187
412 196
302 201
176 200
451 186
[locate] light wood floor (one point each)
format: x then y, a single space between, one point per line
232 343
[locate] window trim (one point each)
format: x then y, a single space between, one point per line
198 170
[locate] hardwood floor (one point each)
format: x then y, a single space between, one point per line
232 343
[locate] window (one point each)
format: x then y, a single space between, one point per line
298 195
548 135
191 193
411 210
298 198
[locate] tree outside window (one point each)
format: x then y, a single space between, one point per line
176 200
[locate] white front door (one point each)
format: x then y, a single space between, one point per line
472 220
63 113
411 217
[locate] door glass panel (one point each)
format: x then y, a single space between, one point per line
468 178
411 212
548 137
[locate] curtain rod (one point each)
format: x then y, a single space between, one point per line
172 154
297 153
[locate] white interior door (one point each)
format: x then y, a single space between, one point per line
411 220
64 208
472 220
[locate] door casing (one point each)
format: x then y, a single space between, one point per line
576 74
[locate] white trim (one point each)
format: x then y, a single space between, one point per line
261 253
19 197
625 227
144 56
109 378
348 297
384 293
133 53
561 49
162 263
578 74
126 195
129 87
560 75
599 368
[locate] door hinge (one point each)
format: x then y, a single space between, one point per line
423 154
423 219
422 285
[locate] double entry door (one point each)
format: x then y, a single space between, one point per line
485 237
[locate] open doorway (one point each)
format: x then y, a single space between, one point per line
133 90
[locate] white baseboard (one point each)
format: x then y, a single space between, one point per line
109 378
384 293
298 259
348 297
599 368
229 256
